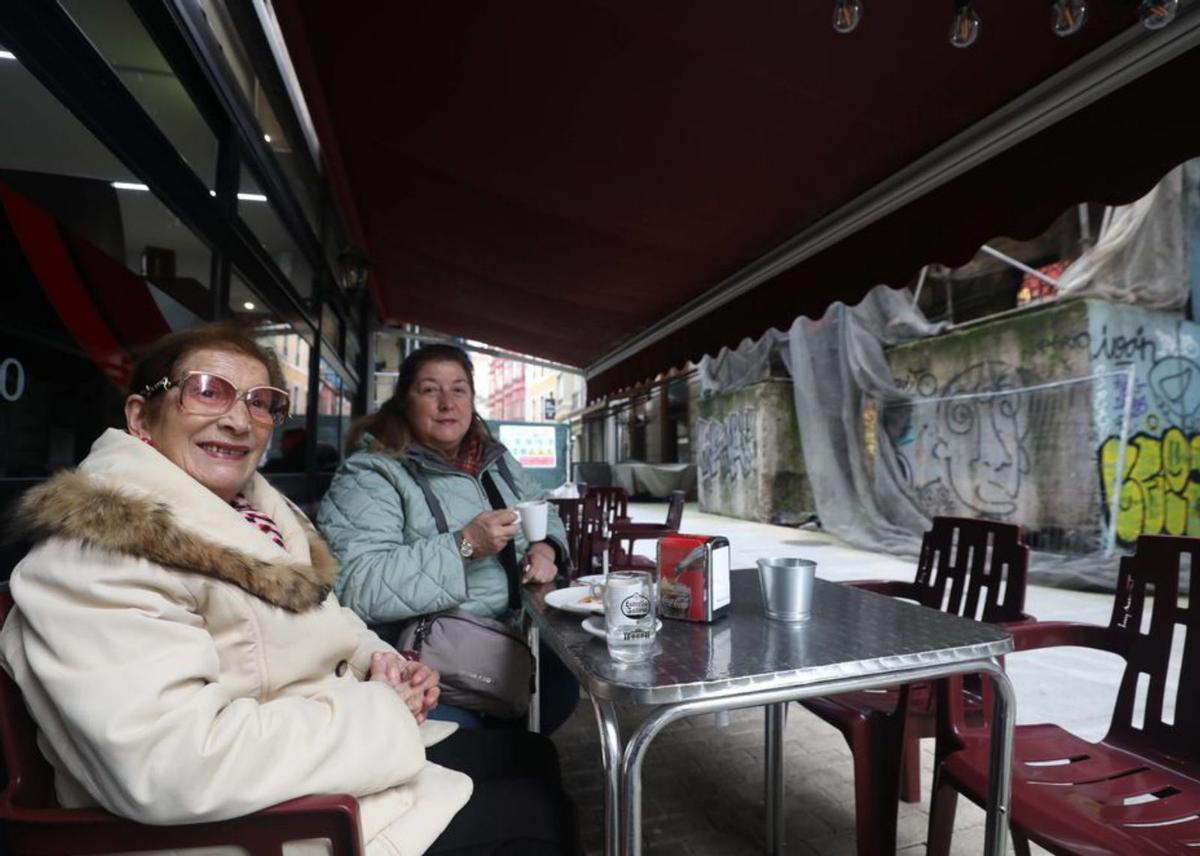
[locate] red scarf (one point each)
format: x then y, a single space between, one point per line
470 455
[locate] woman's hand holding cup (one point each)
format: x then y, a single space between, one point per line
489 531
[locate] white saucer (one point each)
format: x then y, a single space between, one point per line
594 624
572 599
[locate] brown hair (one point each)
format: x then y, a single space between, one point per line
389 424
164 356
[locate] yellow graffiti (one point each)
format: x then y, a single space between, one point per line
1158 493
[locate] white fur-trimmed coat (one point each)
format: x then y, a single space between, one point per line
183 667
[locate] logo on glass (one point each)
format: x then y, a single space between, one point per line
635 606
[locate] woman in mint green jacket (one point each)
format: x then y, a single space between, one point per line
410 517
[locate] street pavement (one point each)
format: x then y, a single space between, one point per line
703 777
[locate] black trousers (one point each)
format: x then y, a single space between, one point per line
518 805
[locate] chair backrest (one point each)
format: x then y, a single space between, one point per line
675 509
570 511
30 778
973 568
1158 633
612 503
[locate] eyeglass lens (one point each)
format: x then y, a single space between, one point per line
210 394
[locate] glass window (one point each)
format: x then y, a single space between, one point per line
287 453
293 160
260 216
116 31
333 415
90 273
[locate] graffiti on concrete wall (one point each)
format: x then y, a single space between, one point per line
1160 484
728 447
965 450
1160 473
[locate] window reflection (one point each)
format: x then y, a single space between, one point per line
117 32
333 409
77 308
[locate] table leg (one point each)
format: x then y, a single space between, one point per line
533 718
1000 762
774 718
610 756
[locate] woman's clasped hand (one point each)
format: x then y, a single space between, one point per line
415 683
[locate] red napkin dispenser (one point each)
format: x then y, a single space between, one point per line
693 577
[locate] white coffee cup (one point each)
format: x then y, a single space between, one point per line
533 519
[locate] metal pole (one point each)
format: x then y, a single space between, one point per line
1114 505
1000 762
610 754
533 718
1021 266
920 284
773 781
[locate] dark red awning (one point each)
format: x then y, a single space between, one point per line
555 178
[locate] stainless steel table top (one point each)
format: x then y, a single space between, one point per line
852 633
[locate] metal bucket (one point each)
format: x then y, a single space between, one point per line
787 588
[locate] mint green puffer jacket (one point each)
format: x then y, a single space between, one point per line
395 564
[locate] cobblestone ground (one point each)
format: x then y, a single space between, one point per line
704 788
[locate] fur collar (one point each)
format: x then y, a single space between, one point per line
77 507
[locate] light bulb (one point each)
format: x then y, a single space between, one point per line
846 15
1067 16
965 29
1156 14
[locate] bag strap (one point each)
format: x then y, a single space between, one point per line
435 506
506 474
508 556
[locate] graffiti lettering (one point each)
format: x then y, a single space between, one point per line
1175 385
12 379
1160 484
1122 348
728 447
1065 342
919 381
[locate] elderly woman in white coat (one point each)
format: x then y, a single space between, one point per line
178 646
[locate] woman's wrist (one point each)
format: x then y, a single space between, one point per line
543 548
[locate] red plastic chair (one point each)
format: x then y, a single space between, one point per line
1137 791
624 535
612 504
972 568
35 825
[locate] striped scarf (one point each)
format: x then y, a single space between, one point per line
257 519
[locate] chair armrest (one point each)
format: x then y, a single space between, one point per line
1032 635
891 588
330 816
639 530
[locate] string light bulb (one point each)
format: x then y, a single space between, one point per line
1067 16
1156 14
846 15
965 29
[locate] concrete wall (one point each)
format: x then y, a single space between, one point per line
748 455
1046 459
1160 491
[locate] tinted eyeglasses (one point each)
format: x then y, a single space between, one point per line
207 394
